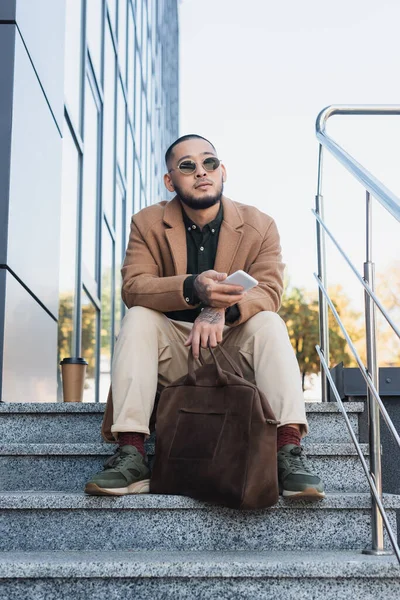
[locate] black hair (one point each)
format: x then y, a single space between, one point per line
190 136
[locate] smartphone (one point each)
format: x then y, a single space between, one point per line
241 278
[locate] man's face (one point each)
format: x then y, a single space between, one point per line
200 189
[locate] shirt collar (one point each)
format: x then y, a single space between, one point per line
213 225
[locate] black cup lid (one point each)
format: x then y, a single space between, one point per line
73 361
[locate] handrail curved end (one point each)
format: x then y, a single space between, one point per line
323 116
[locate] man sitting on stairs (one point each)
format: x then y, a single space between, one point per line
179 254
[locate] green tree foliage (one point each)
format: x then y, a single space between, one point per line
299 310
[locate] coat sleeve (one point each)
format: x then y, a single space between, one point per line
268 269
141 281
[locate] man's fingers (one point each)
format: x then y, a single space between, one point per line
226 288
195 343
219 301
220 276
213 339
204 339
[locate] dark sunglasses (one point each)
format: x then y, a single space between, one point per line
187 167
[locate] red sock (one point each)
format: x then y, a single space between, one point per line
132 439
287 435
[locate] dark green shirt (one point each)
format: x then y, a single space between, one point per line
201 252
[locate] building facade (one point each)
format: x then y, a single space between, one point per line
89 105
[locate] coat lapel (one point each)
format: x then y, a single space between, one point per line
176 235
230 236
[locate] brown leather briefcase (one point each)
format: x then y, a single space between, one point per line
216 439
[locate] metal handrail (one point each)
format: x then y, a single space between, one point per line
375 405
361 366
357 274
360 455
378 190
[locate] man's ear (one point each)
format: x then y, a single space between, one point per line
224 176
168 183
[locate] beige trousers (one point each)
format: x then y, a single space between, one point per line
150 348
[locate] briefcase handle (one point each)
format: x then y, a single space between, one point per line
222 379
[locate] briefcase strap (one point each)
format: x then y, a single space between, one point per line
235 367
222 379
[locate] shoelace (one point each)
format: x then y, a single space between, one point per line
117 457
297 455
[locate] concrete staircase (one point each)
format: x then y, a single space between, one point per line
57 543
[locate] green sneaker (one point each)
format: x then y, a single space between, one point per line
126 472
295 479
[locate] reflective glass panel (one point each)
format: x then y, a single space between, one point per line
90 162
108 128
119 228
88 350
68 245
112 10
106 312
129 181
131 63
138 21
94 25
122 24
143 126
73 59
138 96
121 127
136 197
143 53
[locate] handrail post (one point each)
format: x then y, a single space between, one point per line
321 257
377 546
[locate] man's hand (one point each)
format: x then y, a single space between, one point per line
207 328
211 290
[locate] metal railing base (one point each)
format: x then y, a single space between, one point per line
377 552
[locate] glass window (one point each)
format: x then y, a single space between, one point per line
143 54
143 127
131 63
143 160
108 128
90 171
73 60
138 96
150 169
136 198
119 228
122 24
138 21
149 80
88 351
144 19
121 127
129 179
106 336
68 245
94 30
143 198
112 10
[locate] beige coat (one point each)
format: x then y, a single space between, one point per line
155 264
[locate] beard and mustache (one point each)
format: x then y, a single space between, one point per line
200 203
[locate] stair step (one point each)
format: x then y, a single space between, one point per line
213 575
67 467
34 521
75 422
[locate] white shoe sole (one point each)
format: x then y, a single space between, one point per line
307 494
139 487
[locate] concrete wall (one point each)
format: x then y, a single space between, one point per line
31 116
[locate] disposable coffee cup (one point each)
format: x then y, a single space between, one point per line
73 378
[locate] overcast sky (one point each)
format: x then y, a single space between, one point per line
254 76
